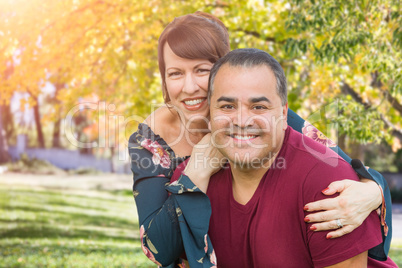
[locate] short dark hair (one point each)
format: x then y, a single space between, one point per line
251 57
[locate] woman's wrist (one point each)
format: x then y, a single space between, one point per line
377 192
198 178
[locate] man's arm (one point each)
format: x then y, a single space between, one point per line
354 262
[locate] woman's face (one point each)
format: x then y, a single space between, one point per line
187 84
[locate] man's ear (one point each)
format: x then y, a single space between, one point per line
285 116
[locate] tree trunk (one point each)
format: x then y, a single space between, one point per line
41 140
56 142
112 167
356 151
8 121
4 156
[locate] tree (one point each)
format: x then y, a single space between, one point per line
354 53
4 156
108 49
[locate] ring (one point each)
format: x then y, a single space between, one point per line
339 223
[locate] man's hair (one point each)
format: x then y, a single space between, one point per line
248 58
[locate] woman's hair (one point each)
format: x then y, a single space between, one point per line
194 36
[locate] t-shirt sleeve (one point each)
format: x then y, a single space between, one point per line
325 252
307 129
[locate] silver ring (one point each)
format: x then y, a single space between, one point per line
339 223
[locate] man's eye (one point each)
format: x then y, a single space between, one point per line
227 106
259 107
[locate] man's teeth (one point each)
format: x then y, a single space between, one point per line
193 102
244 137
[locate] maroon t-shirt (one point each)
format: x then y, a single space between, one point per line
269 231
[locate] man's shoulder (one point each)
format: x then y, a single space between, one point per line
304 148
315 160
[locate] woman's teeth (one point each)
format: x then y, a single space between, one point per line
193 102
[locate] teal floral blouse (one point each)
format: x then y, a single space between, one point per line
174 217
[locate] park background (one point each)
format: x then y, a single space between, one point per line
77 76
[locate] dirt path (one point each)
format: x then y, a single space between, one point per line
81 182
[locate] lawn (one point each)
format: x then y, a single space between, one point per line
61 226
68 228
396 251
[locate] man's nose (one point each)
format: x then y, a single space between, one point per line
190 84
243 118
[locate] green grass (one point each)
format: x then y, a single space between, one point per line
75 228
396 251
66 228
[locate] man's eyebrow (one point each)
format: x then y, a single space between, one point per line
259 99
227 99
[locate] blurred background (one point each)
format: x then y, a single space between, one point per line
77 76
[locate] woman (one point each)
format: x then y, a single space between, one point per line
187 50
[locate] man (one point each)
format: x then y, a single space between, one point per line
257 202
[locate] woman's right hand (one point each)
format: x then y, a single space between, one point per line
205 161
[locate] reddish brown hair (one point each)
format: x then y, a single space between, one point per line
194 36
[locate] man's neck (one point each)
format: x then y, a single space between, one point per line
246 178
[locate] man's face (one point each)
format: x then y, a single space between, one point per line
247 116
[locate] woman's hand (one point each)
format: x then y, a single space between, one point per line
205 161
351 207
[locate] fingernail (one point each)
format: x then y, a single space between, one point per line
325 190
306 219
313 228
305 208
329 236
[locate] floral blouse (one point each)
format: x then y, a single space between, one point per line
174 218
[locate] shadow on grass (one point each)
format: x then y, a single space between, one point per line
38 231
67 254
74 217
56 192
82 249
69 204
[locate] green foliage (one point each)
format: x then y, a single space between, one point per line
108 50
360 123
53 228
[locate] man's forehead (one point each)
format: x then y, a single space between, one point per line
259 83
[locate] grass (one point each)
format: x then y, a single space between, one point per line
69 228
396 251
50 227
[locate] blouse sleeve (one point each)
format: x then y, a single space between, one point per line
379 252
152 166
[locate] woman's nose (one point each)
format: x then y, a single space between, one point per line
190 84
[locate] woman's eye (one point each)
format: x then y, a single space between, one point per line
203 70
173 74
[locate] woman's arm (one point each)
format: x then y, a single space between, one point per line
356 200
151 166
169 223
